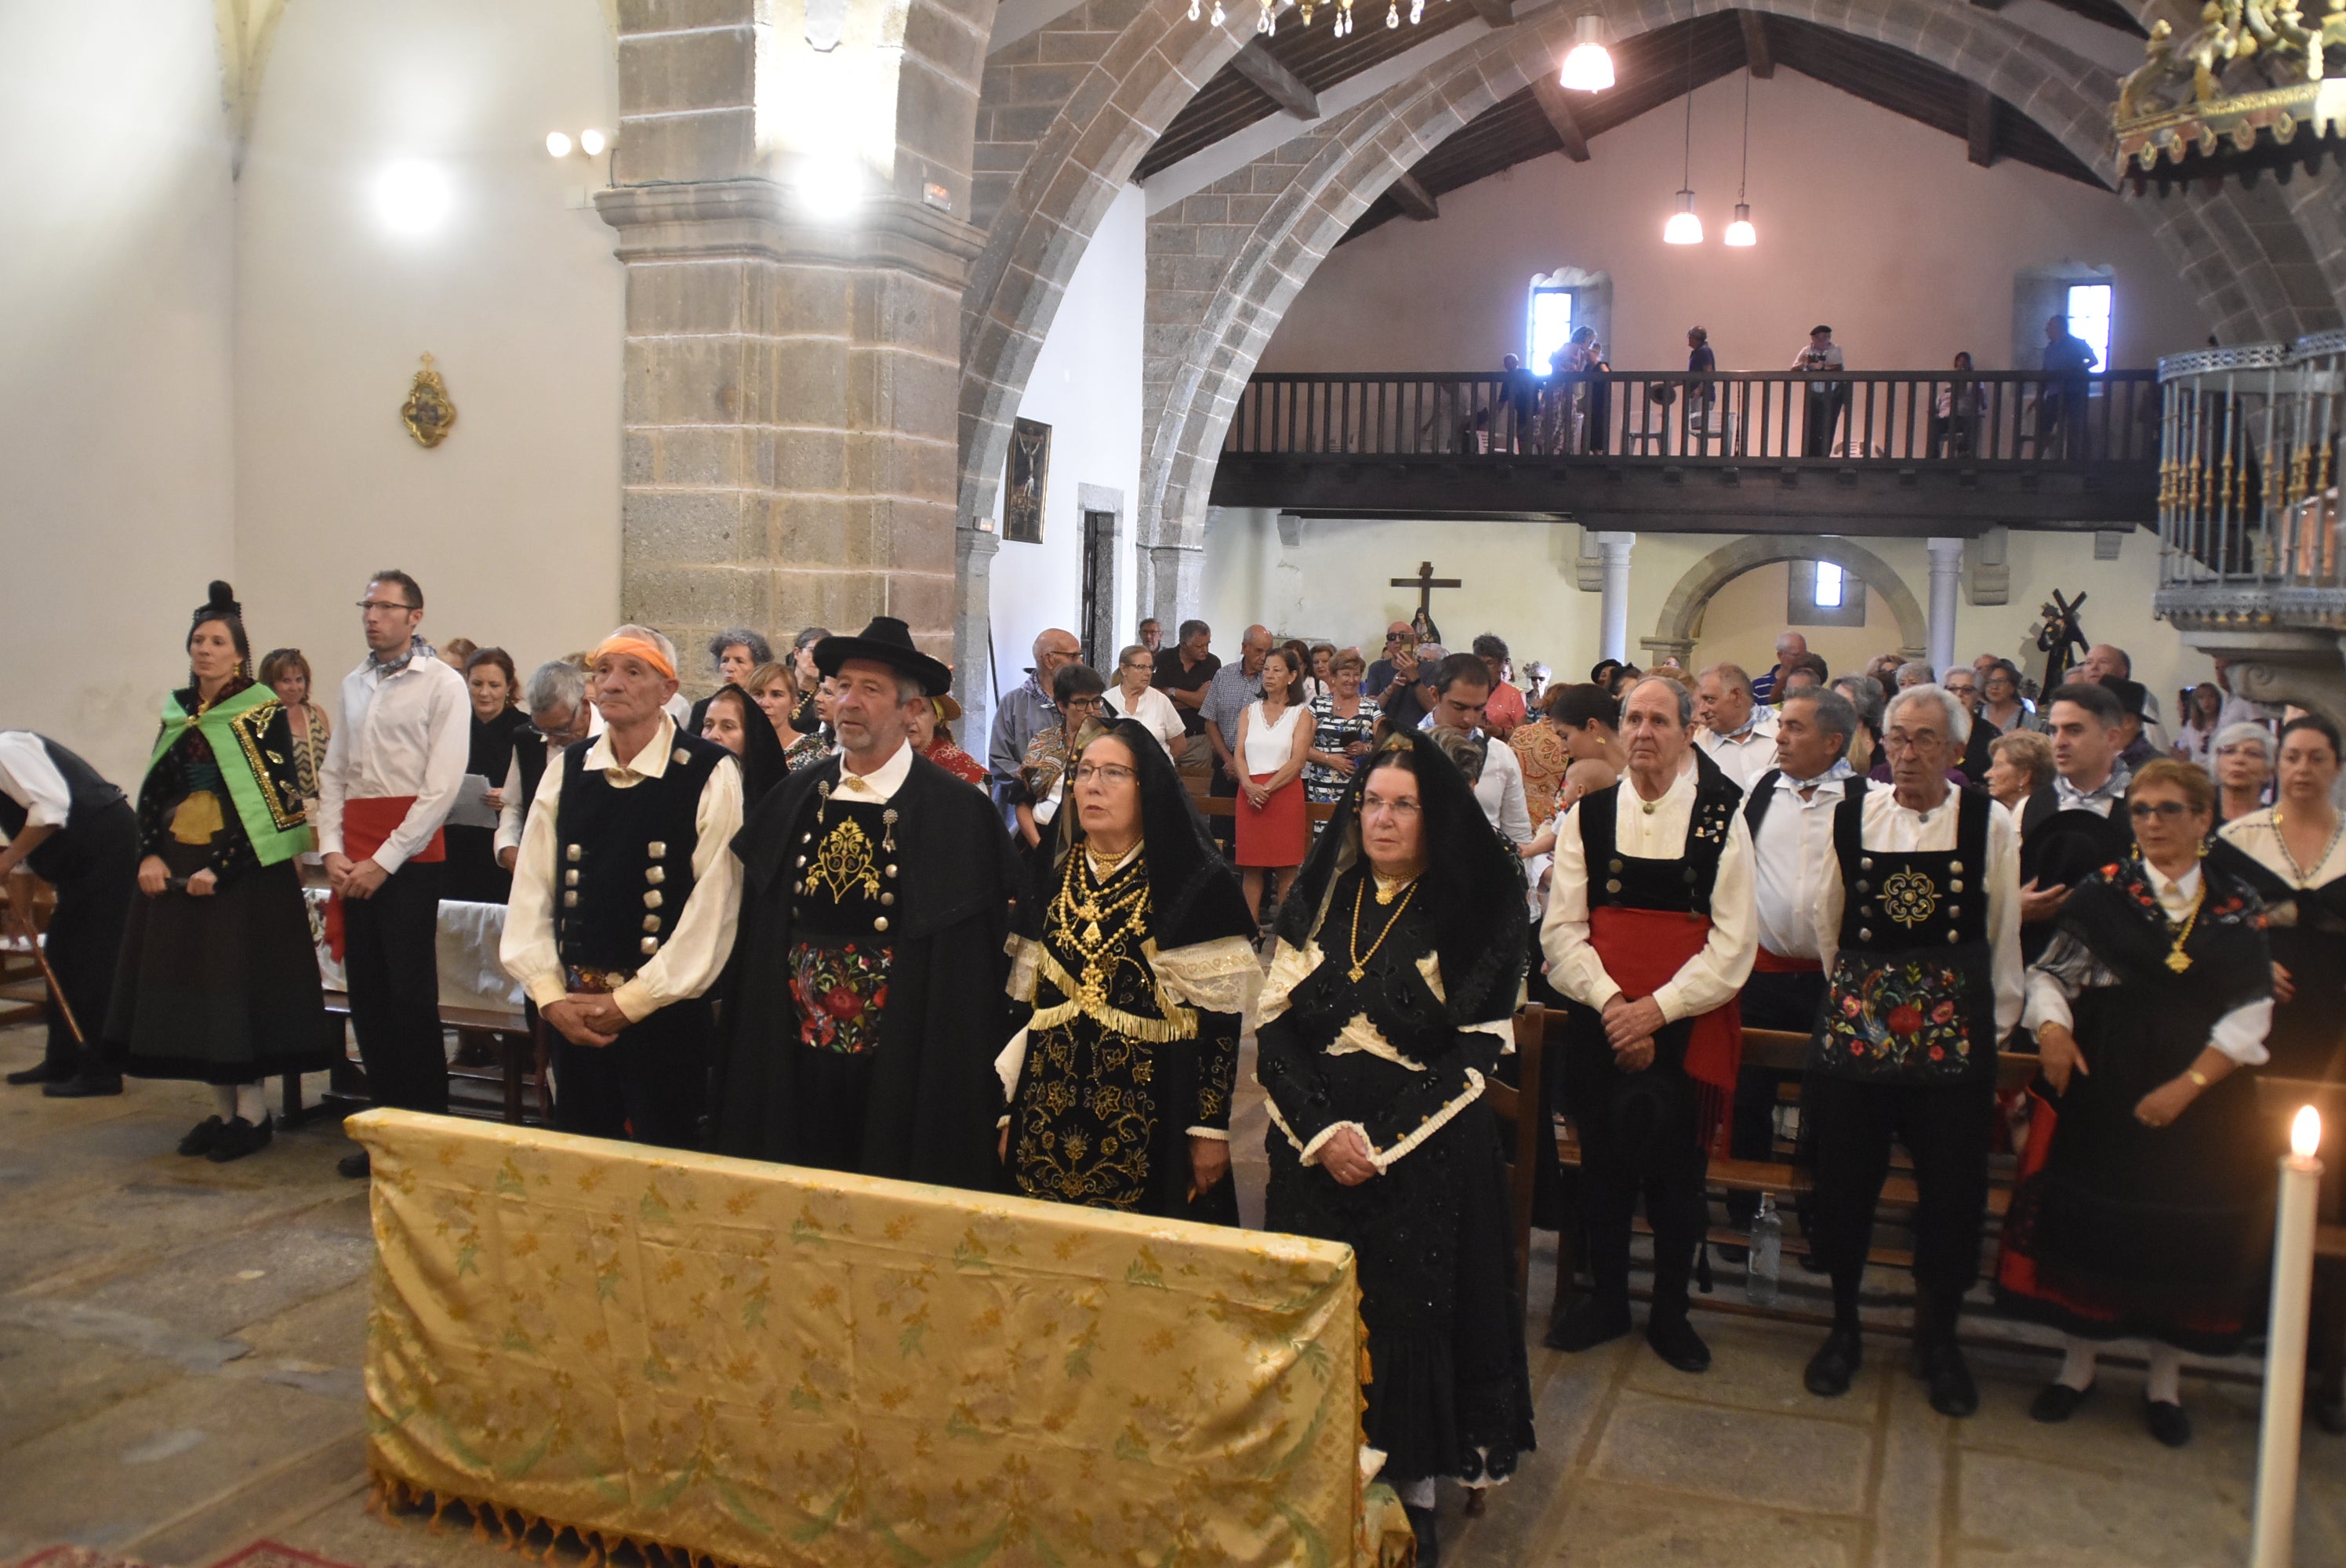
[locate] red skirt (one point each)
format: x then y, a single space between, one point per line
1277 834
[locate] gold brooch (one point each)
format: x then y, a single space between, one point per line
427 411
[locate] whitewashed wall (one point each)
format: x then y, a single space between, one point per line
1087 387
1868 222
117 441
513 525
1520 583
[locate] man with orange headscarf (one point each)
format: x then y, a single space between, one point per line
624 901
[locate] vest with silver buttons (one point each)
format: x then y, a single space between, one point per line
623 858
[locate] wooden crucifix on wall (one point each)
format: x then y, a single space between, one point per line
1425 582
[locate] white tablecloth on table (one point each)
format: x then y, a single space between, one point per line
470 973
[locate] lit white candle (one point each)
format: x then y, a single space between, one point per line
2292 1299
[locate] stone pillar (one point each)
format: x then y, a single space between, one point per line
1946 588
792 363
972 655
1613 636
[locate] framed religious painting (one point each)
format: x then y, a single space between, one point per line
1023 488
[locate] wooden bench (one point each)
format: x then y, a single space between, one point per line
1780 1051
521 1052
24 991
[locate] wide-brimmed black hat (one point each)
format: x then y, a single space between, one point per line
890 641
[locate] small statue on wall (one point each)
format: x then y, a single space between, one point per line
427 411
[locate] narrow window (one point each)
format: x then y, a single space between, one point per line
1551 325
2089 318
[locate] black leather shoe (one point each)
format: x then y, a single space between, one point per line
47 1073
1834 1364
2168 1424
2056 1402
1429 1544
239 1139
1733 1254
1942 1366
1589 1322
203 1137
1674 1342
84 1086
354 1167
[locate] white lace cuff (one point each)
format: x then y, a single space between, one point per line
1223 975
1011 1063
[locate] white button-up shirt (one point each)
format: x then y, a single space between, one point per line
880 785
1791 853
2058 979
694 954
1894 829
1708 980
406 733
30 777
1746 753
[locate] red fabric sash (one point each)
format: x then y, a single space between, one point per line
1769 963
366 824
1642 950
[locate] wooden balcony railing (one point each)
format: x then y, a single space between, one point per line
1905 418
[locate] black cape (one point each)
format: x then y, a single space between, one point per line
935 1095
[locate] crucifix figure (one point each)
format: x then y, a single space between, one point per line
1425 582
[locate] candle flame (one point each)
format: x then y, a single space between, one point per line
2305 1133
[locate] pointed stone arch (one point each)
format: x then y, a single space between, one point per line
1676 629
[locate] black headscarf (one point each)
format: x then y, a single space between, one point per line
762 766
1194 895
1471 889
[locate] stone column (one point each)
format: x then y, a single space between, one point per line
1613 636
792 361
973 654
1946 589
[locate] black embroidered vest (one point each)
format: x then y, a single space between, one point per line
623 857
1682 885
87 794
1912 995
844 879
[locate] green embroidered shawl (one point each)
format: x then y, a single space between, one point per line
256 764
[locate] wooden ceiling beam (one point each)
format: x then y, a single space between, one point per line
1560 117
1757 55
1413 198
1282 87
1496 12
1979 124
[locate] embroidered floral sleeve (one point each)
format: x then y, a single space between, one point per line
1218 1073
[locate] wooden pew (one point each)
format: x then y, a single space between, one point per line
1783 1051
24 991
520 1051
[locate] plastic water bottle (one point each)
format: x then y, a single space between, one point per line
1767 1253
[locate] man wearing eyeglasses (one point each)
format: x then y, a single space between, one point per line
560 716
392 770
1918 927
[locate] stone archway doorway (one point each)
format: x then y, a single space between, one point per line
1680 622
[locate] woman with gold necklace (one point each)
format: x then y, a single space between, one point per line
1119 1086
2144 1201
1400 958
2291 854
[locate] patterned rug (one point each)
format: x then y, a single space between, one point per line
260 1555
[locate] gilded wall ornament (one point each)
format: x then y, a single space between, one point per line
427 411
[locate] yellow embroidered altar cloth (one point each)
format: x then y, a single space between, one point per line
776 1366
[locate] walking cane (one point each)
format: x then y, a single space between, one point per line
32 940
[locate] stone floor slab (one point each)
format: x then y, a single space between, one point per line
1626 1527
1756 1366
1771 1461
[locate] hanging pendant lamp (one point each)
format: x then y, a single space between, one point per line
1589 67
1684 227
1740 233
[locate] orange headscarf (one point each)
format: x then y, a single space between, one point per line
634 647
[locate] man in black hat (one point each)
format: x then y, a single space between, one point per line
869 1004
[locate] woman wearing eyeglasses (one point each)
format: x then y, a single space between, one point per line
1401 951
1143 965
1133 698
2293 853
2144 1206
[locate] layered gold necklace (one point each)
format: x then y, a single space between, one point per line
1385 896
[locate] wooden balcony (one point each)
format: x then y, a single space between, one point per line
1860 452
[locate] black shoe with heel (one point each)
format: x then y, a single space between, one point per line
354 1167
47 1073
1942 1366
1674 1342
